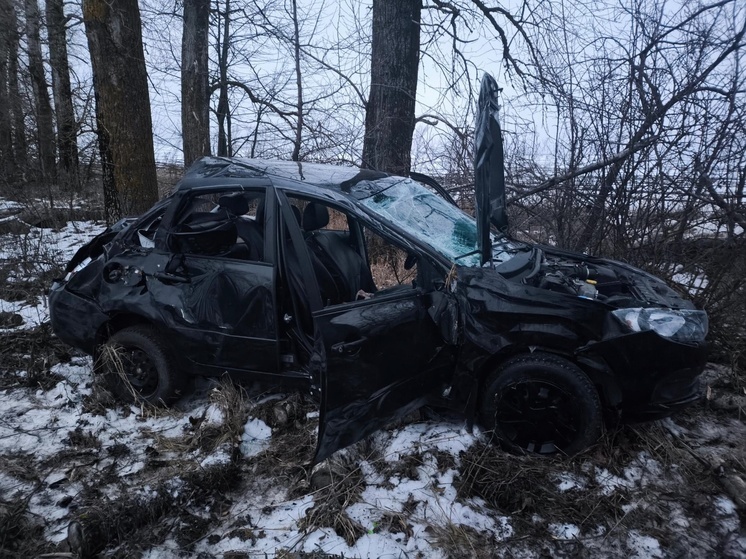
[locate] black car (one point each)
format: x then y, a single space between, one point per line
267 270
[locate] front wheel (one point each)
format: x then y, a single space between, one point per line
138 365
542 404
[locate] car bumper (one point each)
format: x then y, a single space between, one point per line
75 319
654 376
663 404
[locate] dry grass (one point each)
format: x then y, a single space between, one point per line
458 540
294 437
338 482
35 351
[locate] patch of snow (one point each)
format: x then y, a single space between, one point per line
564 531
609 482
725 506
255 437
214 415
641 546
32 315
567 481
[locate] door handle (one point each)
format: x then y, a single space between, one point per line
171 277
348 347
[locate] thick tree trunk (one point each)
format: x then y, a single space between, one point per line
195 87
389 115
124 124
42 105
67 144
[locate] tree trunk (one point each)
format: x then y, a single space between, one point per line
42 106
67 144
18 118
6 133
224 131
389 115
299 85
195 92
125 129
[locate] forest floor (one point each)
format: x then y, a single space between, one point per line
223 474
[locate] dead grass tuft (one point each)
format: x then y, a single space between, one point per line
526 486
294 437
458 540
36 351
101 523
338 482
82 439
19 535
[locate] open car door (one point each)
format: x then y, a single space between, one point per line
382 361
375 359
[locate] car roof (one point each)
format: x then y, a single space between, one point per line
208 171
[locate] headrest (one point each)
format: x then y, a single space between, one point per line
315 216
236 204
296 213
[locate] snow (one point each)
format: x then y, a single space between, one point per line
255 438
564 531
643 547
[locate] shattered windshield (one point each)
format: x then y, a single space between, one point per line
425 216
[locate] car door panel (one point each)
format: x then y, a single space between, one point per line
381 363
221 312
230 303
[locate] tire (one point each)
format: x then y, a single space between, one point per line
139 366
541 404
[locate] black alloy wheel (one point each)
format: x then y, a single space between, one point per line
541 404
139 366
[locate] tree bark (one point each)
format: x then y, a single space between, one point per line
6 132
67 144
124 124
389 115
42 105
299 85
224 123
195 87
18 118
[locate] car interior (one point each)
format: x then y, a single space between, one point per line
230 225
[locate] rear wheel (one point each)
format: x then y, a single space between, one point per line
543 404
138 365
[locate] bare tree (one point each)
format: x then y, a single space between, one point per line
122 106
67 144
195 83
42 106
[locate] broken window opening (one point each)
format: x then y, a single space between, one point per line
225 224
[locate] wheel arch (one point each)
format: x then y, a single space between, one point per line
595 368
119 321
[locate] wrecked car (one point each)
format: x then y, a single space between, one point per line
266 270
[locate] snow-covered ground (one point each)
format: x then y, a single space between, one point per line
223 474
